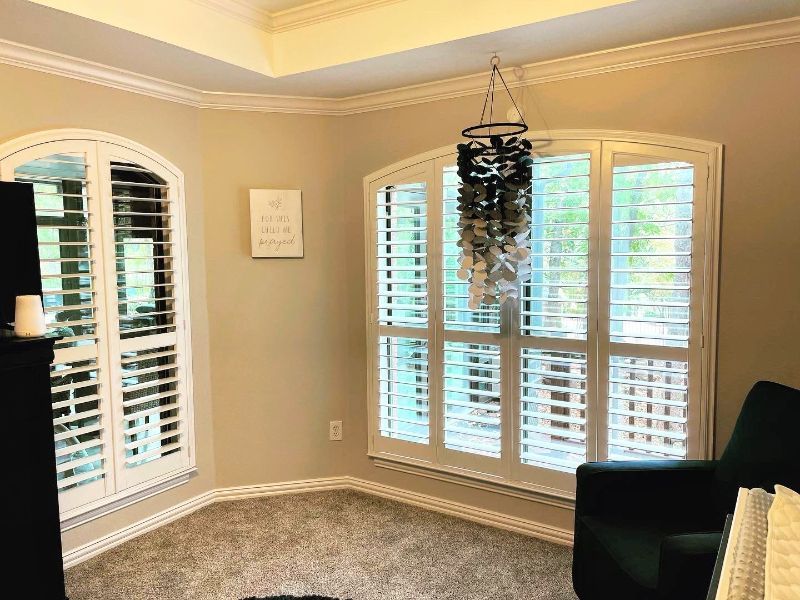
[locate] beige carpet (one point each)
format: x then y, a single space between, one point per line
342 543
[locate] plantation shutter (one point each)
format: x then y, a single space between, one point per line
112 264
147 353
651 305
400 295
601 357
64 178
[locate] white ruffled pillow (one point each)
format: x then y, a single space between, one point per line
782 569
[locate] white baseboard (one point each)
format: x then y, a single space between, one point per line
287 487
448 507
466 511
95 547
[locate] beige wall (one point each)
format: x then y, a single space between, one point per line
31 101
279 344
280 368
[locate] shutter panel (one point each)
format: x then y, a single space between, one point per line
78 423
402 228
403 383
554 299
472 413
553 424
647 408
70 253
471 354
148 355
457 315
554 344
651 258
652 303
401 309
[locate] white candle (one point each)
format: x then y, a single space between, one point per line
29 317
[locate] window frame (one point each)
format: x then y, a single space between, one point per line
105 147
601 144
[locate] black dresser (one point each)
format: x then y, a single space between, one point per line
33 545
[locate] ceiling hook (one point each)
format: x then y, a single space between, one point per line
495 61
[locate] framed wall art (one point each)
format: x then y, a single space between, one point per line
276 224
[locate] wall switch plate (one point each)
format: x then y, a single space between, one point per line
335 432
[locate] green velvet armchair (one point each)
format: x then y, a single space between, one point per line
650 530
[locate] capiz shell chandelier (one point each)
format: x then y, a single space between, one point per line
494 205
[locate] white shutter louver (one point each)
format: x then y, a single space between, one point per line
470 384
556 359
143 239
77 423
151 401
66 245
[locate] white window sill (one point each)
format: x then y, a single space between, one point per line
474 479
83 514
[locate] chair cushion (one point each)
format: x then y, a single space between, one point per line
687 564
631 557
612 554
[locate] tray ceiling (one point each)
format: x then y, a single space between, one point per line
368 65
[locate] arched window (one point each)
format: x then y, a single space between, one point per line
113 262
607 352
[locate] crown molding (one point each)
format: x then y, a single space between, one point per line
53 63
320 11
308 105
737 39
241 11
291 18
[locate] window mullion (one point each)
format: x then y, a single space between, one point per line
435 292
597 290
603 263
104 206
510 379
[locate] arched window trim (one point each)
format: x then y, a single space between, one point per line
711 241
75 516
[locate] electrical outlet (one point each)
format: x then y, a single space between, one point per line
335 432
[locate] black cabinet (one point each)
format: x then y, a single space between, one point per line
33 545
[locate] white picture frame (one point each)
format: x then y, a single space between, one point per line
276 224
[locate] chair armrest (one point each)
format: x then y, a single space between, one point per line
687 565
679 489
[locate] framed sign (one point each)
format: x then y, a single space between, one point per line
276 224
